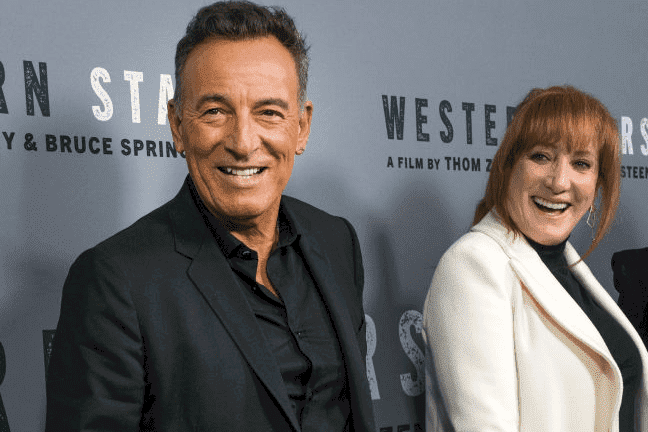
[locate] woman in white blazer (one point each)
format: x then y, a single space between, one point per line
519 334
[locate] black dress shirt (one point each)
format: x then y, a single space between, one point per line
623 350
296 325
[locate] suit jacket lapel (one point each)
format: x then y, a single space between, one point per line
317 256
329 286
213 277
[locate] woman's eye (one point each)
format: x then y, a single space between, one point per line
539 157
583 164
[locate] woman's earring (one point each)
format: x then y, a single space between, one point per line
591 217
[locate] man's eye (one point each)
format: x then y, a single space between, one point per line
214 111
270 113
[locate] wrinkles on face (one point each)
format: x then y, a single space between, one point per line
550 190
241 125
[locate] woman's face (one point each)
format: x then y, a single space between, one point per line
550 191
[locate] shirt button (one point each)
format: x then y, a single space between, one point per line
246 254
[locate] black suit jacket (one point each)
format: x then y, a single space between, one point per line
630 268
154 334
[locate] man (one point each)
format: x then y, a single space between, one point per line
229 308
631 281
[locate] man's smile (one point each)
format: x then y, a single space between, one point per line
242 172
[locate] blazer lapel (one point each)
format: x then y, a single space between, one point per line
213 277
555 300
544 287
585 277
560 306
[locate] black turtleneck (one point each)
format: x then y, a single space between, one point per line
623 350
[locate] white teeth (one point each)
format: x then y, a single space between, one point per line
557 206
243 172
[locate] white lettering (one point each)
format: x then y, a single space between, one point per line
97 74
135 78
166 93
371 350
412 387
626 135
644 133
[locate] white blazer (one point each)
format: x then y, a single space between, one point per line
508 349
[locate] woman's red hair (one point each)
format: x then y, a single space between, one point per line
565 117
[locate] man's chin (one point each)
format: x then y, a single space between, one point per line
243 213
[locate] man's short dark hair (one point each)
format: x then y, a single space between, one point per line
240 20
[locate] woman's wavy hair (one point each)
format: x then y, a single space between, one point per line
561 116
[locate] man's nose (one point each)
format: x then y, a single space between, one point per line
242 140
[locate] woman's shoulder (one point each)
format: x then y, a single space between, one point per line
474 245
475 259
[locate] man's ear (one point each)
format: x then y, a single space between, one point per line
175 124
305 119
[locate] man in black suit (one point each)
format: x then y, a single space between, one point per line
631 281
231 307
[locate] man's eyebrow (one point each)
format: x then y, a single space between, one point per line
272 101
214 97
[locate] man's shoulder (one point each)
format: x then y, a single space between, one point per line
147 232
149 235
311 218
155 222
303 208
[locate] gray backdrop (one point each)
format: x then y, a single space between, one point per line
445 60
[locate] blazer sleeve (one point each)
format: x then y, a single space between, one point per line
95 379
468 332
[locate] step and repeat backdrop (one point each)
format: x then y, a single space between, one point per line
410 102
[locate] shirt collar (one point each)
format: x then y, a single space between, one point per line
229 244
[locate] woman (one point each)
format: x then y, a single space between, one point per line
519 334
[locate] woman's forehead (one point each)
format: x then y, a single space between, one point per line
569 146
569 133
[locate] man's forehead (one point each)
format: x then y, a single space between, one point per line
267 45
217 55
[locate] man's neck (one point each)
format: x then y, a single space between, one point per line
259 234
262 238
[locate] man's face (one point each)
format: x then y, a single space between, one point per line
240 125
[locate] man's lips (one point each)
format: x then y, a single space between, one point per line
242 172
550 206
